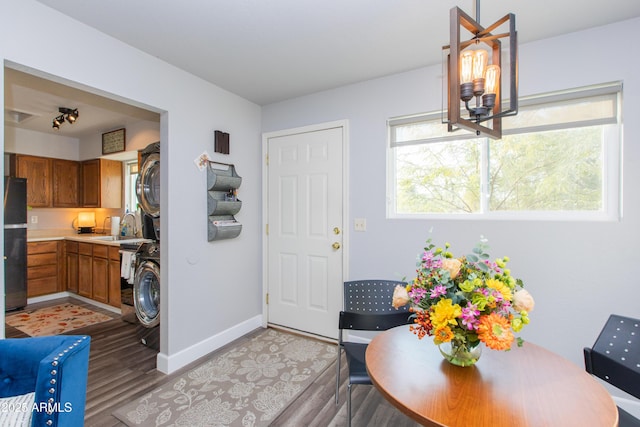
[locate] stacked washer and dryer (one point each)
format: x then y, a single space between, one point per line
146 283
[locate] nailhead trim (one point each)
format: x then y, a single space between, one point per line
54 372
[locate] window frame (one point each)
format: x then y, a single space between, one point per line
611 157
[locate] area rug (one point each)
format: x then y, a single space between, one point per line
54 320
248 385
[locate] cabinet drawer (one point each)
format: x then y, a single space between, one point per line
71 247
42 286
42 259
100 251
41 247
42 271
85 249
114 253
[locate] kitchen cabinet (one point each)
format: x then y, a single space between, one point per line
71 265
44 267
37 170
97 272
101 184
66 183
100 273
114 276
50 182
85 269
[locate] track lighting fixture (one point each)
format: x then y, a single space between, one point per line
68 114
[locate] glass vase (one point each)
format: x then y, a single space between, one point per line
460 354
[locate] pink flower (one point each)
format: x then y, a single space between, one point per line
438 291
417 294
400 297
470 315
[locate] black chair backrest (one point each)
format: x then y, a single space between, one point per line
372 322
615 356
371 296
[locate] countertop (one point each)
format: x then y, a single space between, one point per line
64 234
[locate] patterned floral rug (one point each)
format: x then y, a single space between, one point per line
54 320
248 385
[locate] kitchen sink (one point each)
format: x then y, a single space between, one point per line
123 239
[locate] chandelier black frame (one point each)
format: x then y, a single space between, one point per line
68 114
487 108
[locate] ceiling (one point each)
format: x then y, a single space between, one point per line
32 103
267 51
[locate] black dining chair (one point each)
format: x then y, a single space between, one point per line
615 358
367 307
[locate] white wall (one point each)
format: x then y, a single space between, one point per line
579 272
210 292
25 141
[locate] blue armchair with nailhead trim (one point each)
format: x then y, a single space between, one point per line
55 369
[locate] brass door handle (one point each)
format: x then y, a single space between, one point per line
336 245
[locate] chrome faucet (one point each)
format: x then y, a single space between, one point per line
124 222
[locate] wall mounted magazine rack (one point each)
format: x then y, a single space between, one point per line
222 201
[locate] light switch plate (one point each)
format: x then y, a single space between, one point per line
360 224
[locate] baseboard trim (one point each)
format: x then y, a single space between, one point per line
64 294
169 364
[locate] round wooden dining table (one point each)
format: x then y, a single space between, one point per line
526 386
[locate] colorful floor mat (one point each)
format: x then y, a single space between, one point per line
54 320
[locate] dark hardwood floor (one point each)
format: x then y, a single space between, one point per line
121 369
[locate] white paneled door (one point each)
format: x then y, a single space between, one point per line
305 230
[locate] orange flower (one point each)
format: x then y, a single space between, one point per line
495 331
443 334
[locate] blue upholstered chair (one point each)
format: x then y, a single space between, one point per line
54 368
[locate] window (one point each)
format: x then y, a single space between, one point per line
559 158
131 200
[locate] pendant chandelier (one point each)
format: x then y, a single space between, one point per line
475 75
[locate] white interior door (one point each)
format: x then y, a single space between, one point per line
305 240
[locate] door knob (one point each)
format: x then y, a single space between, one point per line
335 245
336 230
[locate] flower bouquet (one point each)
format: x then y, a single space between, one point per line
464 301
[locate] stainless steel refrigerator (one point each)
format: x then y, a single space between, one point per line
15 242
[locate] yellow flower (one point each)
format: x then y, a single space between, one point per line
500 287
445 313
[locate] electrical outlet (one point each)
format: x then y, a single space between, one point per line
34 219
360 224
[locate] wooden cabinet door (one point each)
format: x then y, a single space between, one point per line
71 255
110 184
114 277
102 184
85 269
37 170
91 183
100 291
66 184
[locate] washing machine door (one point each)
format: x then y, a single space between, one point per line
148 185
146 293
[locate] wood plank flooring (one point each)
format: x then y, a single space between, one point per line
121 369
